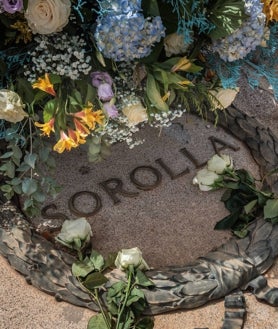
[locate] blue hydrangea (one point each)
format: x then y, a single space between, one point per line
246 38
119 6
124 37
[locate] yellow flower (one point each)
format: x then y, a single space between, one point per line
44 84
90 117
77 136
47 127
64 143
82 129
270 9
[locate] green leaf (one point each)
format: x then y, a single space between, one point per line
135 295
6 188
271 208
29 186
227 16
6 155
30 159
97 260
94 280
39 197
97 322
227 222
110 260
142 280
145 323
150 7
49 110
9 169
153 94
250 206
81 269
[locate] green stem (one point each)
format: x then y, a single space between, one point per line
126 297
96 296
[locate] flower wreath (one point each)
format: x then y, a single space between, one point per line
94 72
121 299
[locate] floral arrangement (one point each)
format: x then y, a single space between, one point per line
76 72
124 299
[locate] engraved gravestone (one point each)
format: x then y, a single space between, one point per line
144 197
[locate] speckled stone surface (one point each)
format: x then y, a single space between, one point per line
172 223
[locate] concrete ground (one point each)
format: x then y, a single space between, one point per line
167 223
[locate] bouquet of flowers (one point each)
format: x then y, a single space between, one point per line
83 71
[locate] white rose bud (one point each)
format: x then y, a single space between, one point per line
224 96
131 256
205 178
174 44
77 230
135 113
47 16
11 106
219 163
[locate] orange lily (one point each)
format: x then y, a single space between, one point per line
81 128
64 143
89 117
44 84
76 136
46 127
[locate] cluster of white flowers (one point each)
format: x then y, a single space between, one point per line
60 54
165 119
120 130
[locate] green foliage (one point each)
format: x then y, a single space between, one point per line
227 16
25 171
124 300
244 201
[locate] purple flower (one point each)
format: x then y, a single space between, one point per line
111 109
11 6
99 78
105 92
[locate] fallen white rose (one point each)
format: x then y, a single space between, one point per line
73 230
131 256
205 178
219 163
47 16
11 106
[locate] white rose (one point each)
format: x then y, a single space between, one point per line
135 113
174 44
74 230
205 178
224 96
219 163
131 256
11 106
47 16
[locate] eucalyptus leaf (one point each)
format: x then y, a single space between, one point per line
30 159
6 155
271 209
10 169
94 280
6 188
97 322
29 186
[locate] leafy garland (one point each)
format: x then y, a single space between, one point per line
120 300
